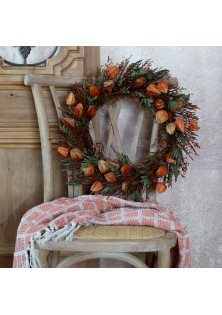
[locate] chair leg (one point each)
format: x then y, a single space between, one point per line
54 259
41 258
69 261
151 259
141 255
163 258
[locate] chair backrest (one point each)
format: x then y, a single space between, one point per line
113 136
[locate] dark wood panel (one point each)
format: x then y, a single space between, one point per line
6 261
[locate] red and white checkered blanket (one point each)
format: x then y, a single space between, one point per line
60 219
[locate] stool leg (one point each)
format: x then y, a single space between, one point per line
164 258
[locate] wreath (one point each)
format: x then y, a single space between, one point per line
171 109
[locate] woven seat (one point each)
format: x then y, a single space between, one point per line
119 232
93 242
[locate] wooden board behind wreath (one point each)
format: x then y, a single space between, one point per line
21 182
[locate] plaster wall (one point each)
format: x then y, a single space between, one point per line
196 199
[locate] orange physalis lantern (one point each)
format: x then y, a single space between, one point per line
91 111
193 126
70 121
88 171
126 170
169 158
103 166
112 72
76 154
161 188
161 171
94 91
152 89
63 151
139 82
159 104
170 128
180 125
162 87
110 177
97 186
78 111
161 116
70 99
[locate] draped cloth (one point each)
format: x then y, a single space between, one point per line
59 220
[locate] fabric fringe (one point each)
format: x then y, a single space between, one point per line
56 234
67 233
27 264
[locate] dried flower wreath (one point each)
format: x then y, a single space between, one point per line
171 108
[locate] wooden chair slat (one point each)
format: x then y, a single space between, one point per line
45 142
50 80
96 127
110 137
154 135
92 131
136 135
151 194
56 101
115 128
70 187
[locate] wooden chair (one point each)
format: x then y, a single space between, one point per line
93 242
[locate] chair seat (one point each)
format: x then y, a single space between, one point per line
116 242
114 238
112 232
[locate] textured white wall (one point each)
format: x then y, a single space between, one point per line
195 199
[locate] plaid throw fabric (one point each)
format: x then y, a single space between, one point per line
59 219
